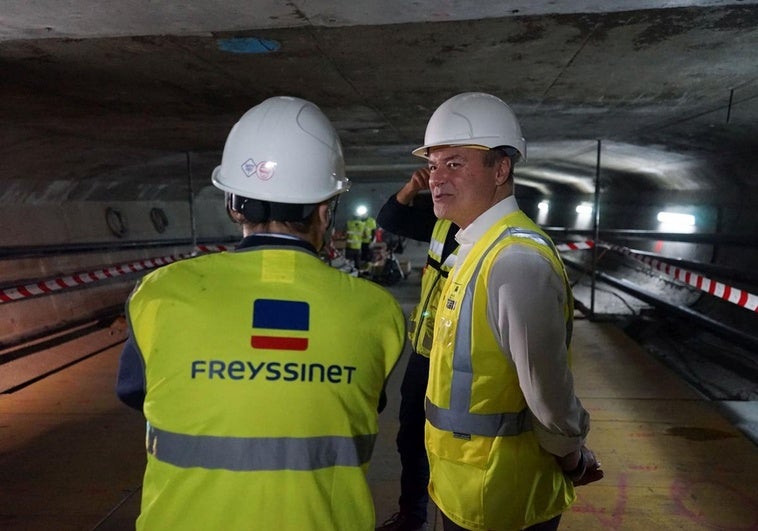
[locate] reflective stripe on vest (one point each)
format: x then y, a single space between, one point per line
437 245
421 328
355 229
244 454
458 419
369 226
435 249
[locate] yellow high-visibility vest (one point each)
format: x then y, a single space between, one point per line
421 322
488 471
355 233
264 369
369 226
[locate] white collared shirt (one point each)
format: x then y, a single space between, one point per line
525 299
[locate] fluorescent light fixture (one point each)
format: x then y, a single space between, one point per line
676 219
543 206
584 208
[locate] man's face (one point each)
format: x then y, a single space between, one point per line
462 186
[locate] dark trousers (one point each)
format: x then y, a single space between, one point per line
355 256
414 475
366 253
550 525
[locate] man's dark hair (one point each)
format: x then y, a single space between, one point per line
258 211
497 154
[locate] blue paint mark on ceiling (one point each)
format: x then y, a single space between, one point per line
247 45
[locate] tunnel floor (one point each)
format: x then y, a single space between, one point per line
72 456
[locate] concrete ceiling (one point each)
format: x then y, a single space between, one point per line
122 90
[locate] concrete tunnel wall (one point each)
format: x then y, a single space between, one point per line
43 215
41 219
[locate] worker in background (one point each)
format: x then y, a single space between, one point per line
354 245
505 433
369 228
260 371
411 215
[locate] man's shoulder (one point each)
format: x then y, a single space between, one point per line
371 291
177 271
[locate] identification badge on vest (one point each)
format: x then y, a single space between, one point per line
452 299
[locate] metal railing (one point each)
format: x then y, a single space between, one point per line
31 251
727 332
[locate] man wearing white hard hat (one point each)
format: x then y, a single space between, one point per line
505 433
260 371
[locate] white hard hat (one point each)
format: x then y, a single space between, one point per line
473 118
283 150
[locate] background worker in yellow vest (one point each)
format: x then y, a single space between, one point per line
354 245
369 228
410 213
260 371
505 433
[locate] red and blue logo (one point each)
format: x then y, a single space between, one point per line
280 324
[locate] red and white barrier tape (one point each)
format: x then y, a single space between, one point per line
575 246
70 281
213 248
736 296
717 289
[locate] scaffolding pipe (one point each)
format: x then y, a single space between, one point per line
191 199
596 229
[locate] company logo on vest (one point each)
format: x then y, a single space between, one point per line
280 324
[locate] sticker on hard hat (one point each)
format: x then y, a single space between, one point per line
249 167
264 170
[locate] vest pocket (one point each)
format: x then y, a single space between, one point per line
473 450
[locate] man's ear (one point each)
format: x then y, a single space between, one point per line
503 171
324 214
236 216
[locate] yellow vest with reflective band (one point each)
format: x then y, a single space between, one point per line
421 325
264 369
354 233
369 226
488 471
